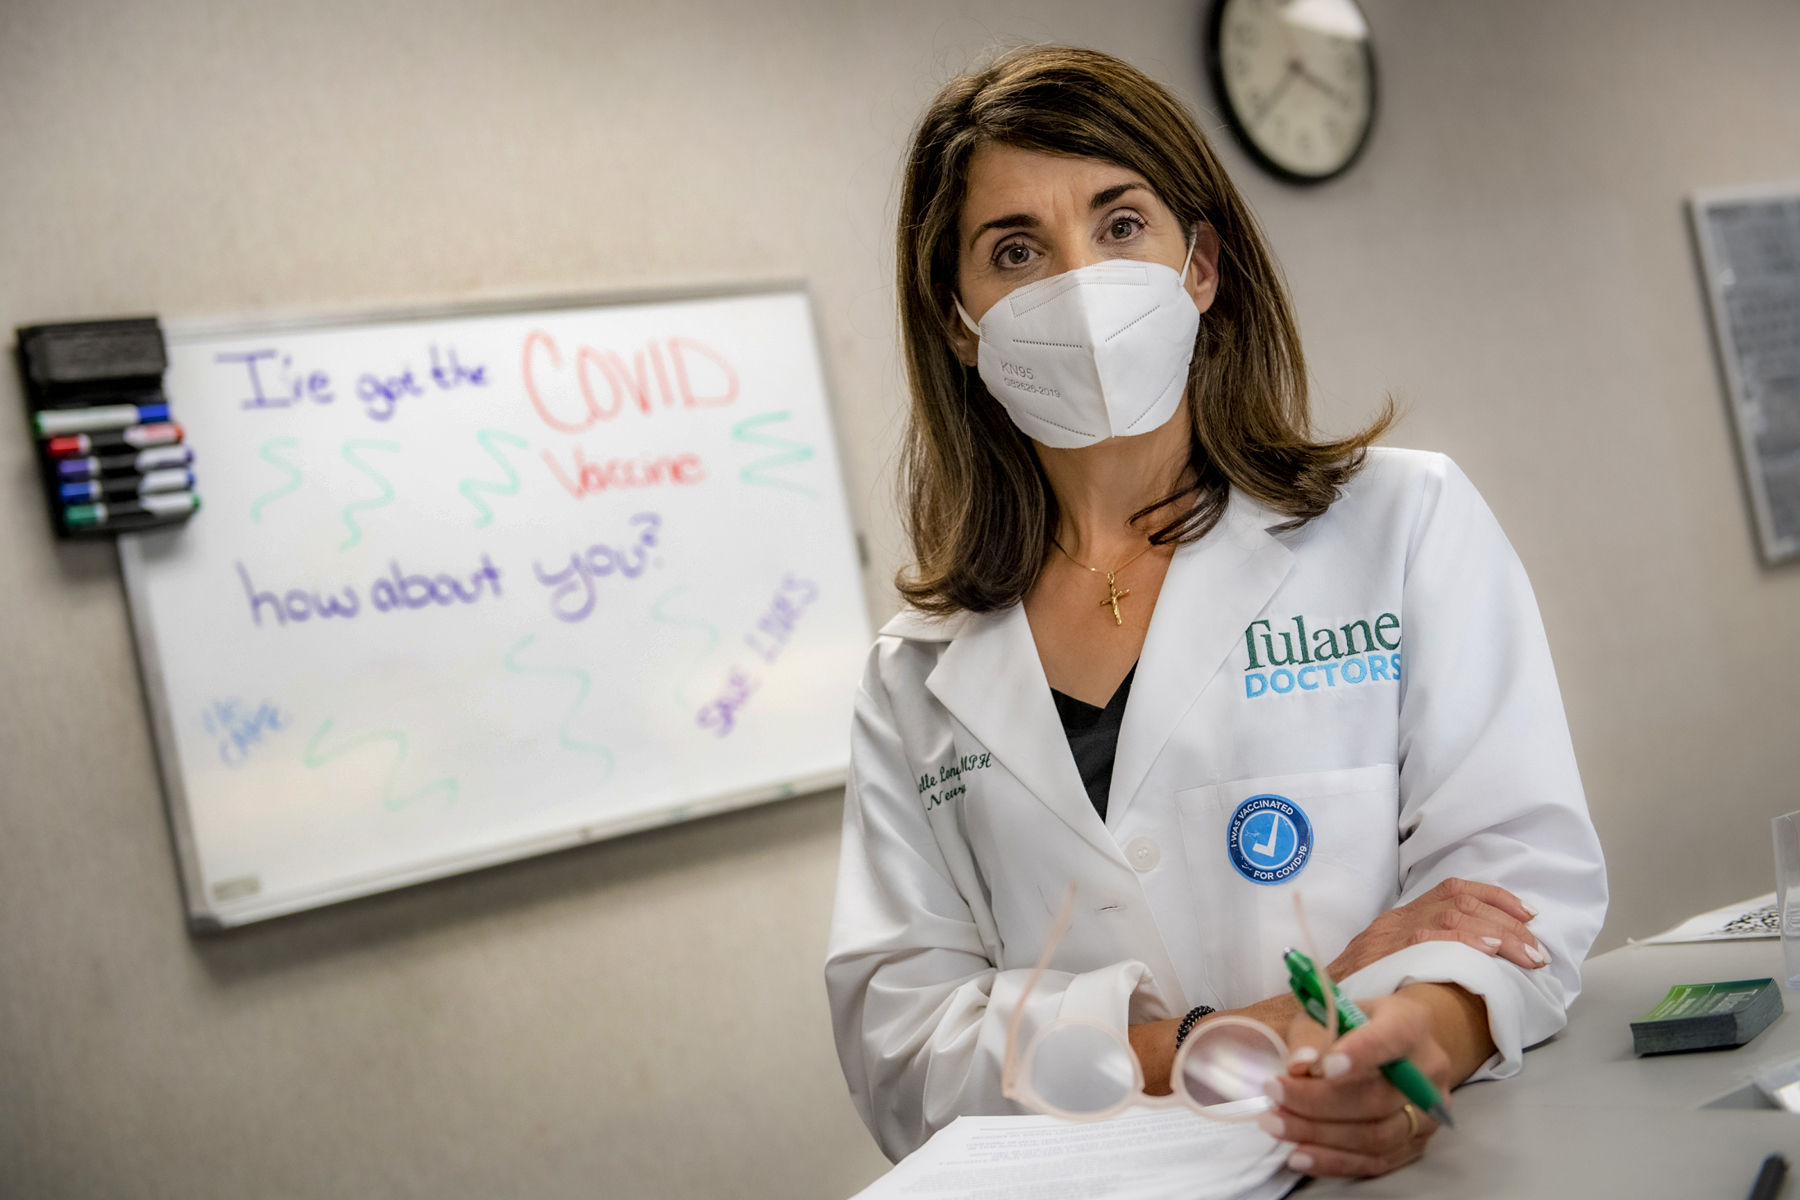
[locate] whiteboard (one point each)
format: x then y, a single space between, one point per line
1749 240
471 586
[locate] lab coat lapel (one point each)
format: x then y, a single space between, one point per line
991 680
1214 589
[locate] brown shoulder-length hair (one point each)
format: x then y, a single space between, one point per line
978 507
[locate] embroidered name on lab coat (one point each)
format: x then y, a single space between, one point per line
1281 660
944 784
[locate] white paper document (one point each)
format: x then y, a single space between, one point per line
1159 1156
1735 922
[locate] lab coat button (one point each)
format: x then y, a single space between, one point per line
1142 854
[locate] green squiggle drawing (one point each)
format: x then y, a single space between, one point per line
660 614
582 678
266 453
468 487
315 758
376 477
792 452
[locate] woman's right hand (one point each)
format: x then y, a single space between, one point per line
1489 918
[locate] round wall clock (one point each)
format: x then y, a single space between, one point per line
1296 79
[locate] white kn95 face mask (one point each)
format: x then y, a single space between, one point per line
1090 354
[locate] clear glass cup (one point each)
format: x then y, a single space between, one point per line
1787 893
1082 1070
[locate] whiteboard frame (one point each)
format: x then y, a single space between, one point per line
1773 549
202 916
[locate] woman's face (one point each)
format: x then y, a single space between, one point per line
1029 216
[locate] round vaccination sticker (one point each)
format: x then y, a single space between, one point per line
1270 839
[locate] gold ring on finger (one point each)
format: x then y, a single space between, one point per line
1412 1120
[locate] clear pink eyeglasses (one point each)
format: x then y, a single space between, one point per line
1082 1070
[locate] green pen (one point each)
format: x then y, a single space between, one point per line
1309 988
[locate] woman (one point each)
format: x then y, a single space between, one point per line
1163 645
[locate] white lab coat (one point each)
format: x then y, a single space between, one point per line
965 818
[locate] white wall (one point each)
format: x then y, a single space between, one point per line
1513 259
645 1017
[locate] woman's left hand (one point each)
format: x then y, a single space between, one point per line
1334 1104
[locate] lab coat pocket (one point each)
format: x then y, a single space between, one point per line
1252 844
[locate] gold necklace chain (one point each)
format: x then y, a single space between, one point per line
1113 594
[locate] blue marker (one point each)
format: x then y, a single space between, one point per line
175 480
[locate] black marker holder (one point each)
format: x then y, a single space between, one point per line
92 364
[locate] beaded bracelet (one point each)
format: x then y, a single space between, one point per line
1188 1022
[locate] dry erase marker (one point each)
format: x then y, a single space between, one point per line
165 504
176 479
143 461
137 437
54 421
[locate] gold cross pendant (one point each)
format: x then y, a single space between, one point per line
1114 595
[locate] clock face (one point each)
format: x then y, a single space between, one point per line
1297 78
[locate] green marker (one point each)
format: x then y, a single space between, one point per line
1309 988
145 508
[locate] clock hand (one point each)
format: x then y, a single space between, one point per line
1287 35
1297 60
1335 93
1274 96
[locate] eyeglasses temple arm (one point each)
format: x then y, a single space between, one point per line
1009 1074
1325 983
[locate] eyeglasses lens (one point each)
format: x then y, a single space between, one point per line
1226 1068
1081 1069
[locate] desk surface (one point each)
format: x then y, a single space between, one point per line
1587 1118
